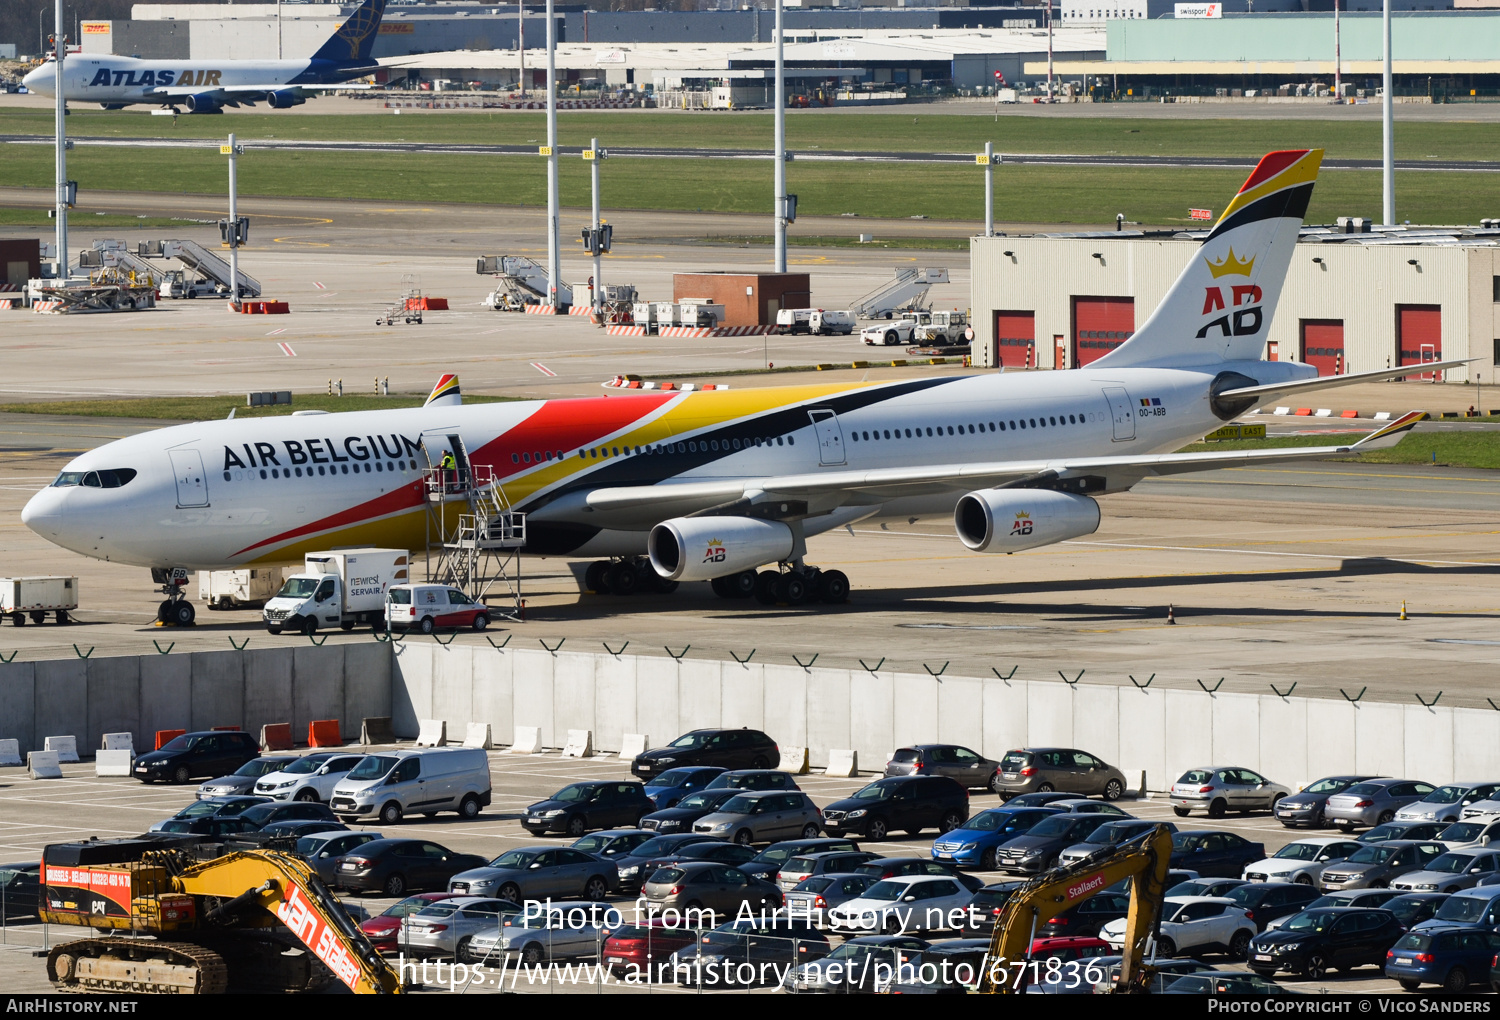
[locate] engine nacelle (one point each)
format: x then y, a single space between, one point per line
285 99
702 548
1011 520
204 102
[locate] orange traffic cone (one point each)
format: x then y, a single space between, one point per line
1172 620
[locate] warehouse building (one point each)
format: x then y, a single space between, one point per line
1353 302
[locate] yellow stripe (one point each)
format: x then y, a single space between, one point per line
1300 172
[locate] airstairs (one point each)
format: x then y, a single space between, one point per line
474 538
907 292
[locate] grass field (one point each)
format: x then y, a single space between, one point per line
907 131
209 408
1023 194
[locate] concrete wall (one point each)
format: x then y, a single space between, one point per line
87 698
1161 732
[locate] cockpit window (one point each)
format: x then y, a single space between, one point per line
109 478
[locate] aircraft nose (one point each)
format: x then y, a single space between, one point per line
35 78
43 513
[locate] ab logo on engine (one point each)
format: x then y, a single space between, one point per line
715 553
1021 526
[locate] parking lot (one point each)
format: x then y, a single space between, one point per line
36 813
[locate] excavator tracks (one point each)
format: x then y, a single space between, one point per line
144 966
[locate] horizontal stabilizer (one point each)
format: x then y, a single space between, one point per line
1270 391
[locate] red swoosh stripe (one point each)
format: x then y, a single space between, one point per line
404 498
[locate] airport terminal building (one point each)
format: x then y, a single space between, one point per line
1353 302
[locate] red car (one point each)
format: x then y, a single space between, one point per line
383 928
645 944
1069 947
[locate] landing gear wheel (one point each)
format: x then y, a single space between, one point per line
736 586
593 577
622 579
791 588
765 585
163 612
183 613
833 587
720 587
664 586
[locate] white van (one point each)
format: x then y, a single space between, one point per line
423 780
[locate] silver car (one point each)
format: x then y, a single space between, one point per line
538 934
1377 865
762 817
242 780
323 849
1454 870
1373 802
1447 803
446 928
1217 791
813 897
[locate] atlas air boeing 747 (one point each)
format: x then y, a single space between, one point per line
115 82
661 487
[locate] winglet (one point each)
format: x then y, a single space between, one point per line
445 393
1391 434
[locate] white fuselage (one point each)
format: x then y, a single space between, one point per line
112 80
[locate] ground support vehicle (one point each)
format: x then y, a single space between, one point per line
35 597
211 915
238 589
337 589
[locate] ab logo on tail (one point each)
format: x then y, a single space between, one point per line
1247 320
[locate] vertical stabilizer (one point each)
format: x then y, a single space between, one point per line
1221 306
445 393
355 38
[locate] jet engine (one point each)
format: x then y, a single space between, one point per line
1011 520
205 102
702 548
285 99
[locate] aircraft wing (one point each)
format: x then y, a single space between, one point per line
845 488
259 90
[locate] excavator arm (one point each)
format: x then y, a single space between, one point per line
1144 860
291 891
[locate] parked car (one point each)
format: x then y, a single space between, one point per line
1401 830
383 929
645 944
1109 836
753 779
629 868
667 788
214 827
242 780
987 905
310 778
1069 982
815 895
300 827
1059 947
1447 803
1210 853
958 763
1265 902
1303 860
773 858
1373 802
855 965
420 779
1087 918
20 888
896 867
688 810
1205 886
716 850
1044 799
214 807
701 885
1478 906
908 803
446 927
429 607
1454 870
824 862
725 748
909 903
1376 865
1315 941
1472 834
1088 806
1411 909
1454 958
1484 809
1200 924
261 815
322 850
1217 791
579 807
1037 850
398 866
975 843
1044 769
534 873
957 966
611 843
565 929
769 946
1363 898
194 755
1305 807
1226 984
761 817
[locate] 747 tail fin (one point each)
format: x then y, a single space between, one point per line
354 40
1221 306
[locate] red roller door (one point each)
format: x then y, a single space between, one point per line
1323 345
1015 339
1419 335
1100 324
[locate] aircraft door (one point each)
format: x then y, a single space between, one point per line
1122 413
830 436
192 484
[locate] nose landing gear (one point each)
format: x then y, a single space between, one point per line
175 610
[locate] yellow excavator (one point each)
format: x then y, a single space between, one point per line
197 918
1144 860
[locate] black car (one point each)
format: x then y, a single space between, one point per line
893 867
19 886
579 807
733 854
987 905
208 826
300 827
1044 798
630 865
197 755
1264 902
753 779
396 867
687 811
908 803
612 844
1036 851
1388 831
729 749
1411 909
1214 854
1316 941
261 815
1305 807
1085 919
769 861
779 942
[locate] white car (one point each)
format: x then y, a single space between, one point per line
904 904
1194 924
1447 803
1302 861
1454 870
311 777
1482 810
889 334
1471 834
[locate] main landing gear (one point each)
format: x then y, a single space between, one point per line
795 587
631 576
176 610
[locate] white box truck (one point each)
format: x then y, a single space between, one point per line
340 588
794 320
21 597
239 589
831 322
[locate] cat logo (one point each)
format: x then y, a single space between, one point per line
715 553
1022 525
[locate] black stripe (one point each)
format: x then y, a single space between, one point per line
1291 202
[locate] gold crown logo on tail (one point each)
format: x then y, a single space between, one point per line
1230 266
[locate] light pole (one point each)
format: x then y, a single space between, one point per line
1338 57
780 174
1049 51
64 198
234 234
595 156
988 161
554 256
1388 142
521 46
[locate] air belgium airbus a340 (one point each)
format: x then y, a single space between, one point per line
661 487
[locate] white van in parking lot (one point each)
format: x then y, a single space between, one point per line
391 784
